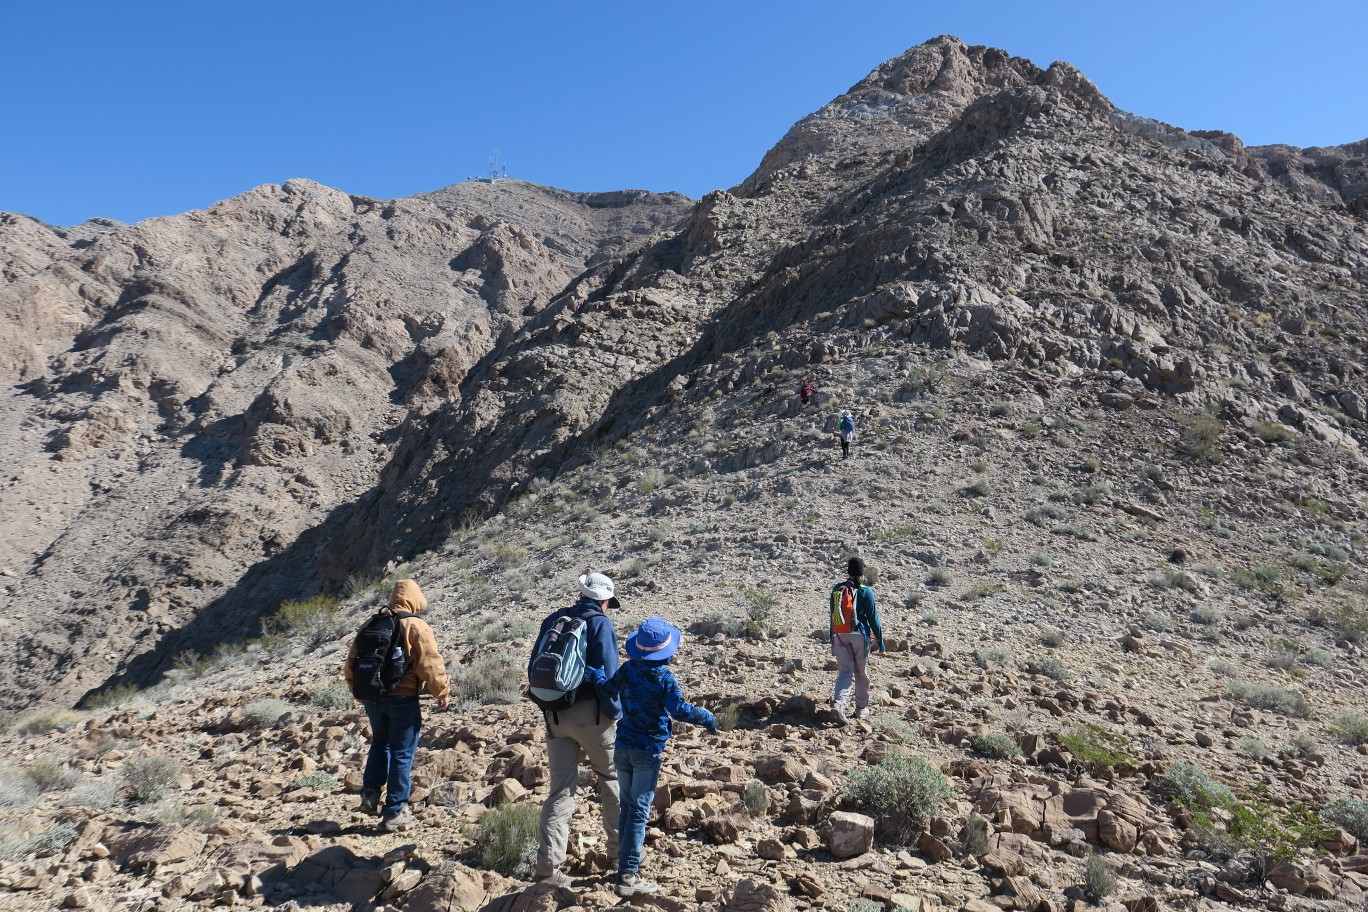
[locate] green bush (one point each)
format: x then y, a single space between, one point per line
1097 749
47 775
51 840
997 655
1352 727
16 790
319 781
1192 787
331 696
728 717
61 720
996 745
1269 697
1099 877
1201 435
150 778
976 840
900 792
491 677
1349 813
312 622
505 839
1050 667
755 798
110 696
100 794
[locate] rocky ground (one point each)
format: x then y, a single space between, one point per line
1108 378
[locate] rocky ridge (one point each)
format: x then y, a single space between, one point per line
1107 376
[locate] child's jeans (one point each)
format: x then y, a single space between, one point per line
638 771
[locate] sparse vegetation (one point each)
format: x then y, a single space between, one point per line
1050 667
995 655
1269 697
1351 726
331 696
1200 436
1349 813
490 677
311 623
939 576
150 779
755 798
728 717
900 792
995 746
505 839
319 781
264 713
1096 748
1099 877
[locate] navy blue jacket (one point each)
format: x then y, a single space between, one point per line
650 698
601 652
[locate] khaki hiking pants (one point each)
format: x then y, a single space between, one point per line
852 659
574 737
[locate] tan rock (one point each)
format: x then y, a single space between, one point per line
756 896
451 888
849 834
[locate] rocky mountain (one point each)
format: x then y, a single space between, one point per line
1109 381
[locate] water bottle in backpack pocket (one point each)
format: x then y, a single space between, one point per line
380 661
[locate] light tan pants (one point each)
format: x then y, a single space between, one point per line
852 658
574 737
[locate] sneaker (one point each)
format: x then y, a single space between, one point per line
838 715
862 712
633 883
555 879
370 801
399 822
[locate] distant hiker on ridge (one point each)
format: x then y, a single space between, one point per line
854 620
805 393
393 658
578 722
845 429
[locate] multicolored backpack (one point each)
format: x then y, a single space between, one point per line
843 597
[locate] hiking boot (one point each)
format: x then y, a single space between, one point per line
398 822
838 715
862 712
633 883
555 879
370 801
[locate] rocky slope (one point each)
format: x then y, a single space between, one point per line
1108 375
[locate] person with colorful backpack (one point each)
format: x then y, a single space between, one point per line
845 429
393 658
651 697
578 722
854 614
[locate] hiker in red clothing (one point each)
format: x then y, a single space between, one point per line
805 394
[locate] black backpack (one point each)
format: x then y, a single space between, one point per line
557 668
380 661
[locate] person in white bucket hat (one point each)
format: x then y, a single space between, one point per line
585 729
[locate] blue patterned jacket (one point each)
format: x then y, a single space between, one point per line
650 698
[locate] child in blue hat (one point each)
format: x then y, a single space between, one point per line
650 698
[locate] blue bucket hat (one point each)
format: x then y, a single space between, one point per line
655 641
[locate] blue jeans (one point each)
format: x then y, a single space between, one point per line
394 723
638 772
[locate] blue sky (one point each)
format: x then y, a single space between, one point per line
141 108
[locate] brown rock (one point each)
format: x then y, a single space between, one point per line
146 847
756 896
780 768
451 888
849 834
1115 832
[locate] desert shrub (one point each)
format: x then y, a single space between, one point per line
864 905
150 779
755 798
48 722
1193 787
264 713
1099 877
760 606
170 812
976 835
1349 813
100 794
939 576
491 677
110 696
1255 748
1050 667
1272 432
1269 697
50 840
996 745
1318 657
1042 515
978 488
318 780
997 655
1096 748
16 790
500 627
1052 638
1206 615
1301 745
728 717
505 839
1200 436
331 696
311 622
901 792
651 480
1169 578
47 775
1094 494
1352 727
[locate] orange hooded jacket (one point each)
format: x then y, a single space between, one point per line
426 668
